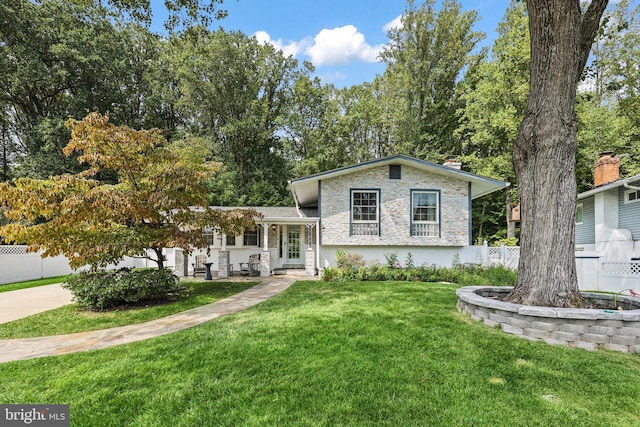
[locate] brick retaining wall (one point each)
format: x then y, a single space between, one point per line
589 329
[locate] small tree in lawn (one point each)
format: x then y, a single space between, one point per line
139 192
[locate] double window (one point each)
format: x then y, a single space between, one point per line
365 212
425 213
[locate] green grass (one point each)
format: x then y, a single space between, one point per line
32 283
72 318
326 354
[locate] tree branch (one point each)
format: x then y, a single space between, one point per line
589 26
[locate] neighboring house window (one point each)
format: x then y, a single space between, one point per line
632 196
365 212
579 213
251 237
425 213
231 240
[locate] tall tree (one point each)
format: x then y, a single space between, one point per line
62 59
237 90
309 123
362 126
544 155
495 99
426 56
612 88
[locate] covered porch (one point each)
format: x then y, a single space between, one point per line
286 239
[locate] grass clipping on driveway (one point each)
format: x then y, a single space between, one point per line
327 354
73 318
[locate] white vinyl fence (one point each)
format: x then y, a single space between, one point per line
17 265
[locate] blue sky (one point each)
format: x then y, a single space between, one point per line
340 37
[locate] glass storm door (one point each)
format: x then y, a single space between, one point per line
293 244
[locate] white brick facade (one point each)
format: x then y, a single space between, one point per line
394 207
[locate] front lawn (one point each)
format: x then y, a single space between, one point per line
32 283
73 318
328 354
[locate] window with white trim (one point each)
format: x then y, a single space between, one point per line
251 237
425 213
209 235
632 196
365 212
579 213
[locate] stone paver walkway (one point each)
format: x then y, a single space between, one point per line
29 348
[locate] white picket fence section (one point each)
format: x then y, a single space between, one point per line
506 256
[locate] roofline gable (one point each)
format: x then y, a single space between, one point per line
296 185
609 186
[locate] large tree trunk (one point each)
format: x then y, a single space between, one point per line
545 152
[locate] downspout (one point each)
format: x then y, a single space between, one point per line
630 187
295 198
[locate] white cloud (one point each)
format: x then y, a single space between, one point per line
392 25
341 46
338 46
288 49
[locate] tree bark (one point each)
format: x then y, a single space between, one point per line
544 155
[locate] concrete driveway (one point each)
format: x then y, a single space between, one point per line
25 302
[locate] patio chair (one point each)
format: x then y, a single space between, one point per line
251 268
198 266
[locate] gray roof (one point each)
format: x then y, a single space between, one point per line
277 213
305 190
610 186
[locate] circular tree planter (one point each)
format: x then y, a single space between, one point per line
589 329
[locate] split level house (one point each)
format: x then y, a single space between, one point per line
608 230
397 204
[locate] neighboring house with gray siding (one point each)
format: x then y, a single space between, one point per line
608 230
608 220
398 204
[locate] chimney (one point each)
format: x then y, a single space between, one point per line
452 162
606 169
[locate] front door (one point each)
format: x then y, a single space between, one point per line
292 247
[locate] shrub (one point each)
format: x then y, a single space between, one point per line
409 262
392 260
349 261
108 289
459 274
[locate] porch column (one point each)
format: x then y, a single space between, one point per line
310 256
318 244
223 264
310 262
180 263
265 238
265 264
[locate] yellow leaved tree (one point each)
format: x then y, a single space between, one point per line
139 192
